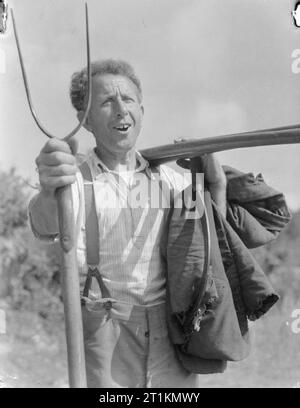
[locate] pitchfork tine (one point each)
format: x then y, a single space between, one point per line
89 75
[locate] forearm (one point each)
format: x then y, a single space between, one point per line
216 181
43 214
218 193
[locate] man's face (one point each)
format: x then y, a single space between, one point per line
116 113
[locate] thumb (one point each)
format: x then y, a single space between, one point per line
73 143
179 140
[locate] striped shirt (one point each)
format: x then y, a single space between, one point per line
131 223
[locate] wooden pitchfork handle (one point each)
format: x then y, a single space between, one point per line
70 289
69 268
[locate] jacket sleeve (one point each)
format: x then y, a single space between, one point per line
255 210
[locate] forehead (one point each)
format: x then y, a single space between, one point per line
107 84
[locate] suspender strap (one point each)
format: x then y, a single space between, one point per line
92 234
91 223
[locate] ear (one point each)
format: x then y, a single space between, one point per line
87 125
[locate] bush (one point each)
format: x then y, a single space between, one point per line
13 199
29 269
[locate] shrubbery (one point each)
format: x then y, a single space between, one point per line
29 269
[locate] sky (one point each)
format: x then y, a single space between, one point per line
208 67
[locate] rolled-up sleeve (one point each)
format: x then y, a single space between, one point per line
77 194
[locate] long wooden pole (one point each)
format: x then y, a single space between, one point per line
70 289
198 147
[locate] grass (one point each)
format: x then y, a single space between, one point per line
33 352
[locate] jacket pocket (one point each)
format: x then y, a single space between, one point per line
219 336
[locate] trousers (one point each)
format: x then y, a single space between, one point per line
127 346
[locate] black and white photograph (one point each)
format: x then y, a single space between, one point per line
149 196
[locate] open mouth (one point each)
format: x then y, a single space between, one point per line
123 127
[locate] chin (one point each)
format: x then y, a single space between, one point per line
123 147
126 144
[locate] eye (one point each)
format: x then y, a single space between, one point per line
106 102
128 99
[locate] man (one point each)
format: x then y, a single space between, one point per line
129 347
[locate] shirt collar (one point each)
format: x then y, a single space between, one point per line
98 167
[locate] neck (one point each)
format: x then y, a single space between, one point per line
125 161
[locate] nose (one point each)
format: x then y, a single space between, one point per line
121 108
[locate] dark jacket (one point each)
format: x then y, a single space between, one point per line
237 289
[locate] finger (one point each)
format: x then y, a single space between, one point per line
56 182
55 158
54 145
61 170
179 140
209 160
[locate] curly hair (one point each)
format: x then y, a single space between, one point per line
102 67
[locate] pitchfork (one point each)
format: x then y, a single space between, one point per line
70 278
